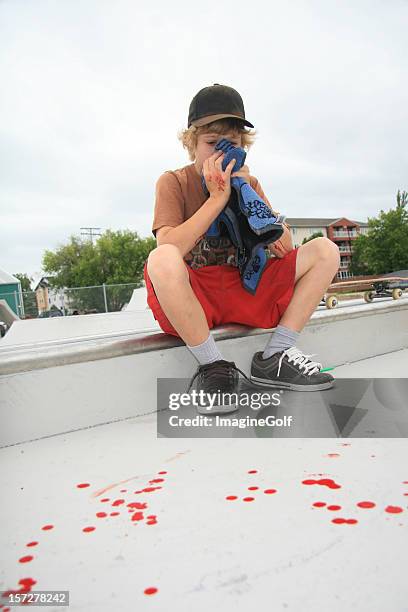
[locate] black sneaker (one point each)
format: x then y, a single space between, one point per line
289 369
219 377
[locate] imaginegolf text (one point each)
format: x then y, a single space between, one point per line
240 423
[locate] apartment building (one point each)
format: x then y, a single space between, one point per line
342 231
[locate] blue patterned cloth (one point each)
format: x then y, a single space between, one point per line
247 219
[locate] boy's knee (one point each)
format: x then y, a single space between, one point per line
327 248
165 260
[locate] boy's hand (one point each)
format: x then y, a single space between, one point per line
243 172
218 182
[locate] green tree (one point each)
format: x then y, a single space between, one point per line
312 237
116 258
385 248
29 297
25 281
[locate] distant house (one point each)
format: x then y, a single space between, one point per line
341 231
45 296
10 290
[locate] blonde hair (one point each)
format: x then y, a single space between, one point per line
188 137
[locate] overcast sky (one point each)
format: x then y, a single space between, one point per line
93 93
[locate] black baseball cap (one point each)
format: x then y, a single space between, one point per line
216 102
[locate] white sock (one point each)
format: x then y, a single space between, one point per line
207 352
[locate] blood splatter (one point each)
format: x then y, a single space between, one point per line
118 502
26 559
220 182
138 516
230 497
162 472
334 507
339 521
326 482
123 491
152 521
27 583
319 504
150 591
394 509
149 489
366 504
101 514
252 471
88 529
333 455
105 499
253 488
157 480
270 491
82 485
137 505
32 544
47 527
114 513
248 499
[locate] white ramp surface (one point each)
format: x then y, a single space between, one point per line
167 524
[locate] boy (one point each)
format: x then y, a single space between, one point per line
194 284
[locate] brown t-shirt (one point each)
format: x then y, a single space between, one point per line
179 194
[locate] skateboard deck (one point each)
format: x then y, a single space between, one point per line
372 287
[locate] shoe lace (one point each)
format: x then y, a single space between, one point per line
220 371
300 359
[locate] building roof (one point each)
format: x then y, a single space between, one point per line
7 279
318 221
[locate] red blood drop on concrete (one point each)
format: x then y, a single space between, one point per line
47 527
150 591
32 544
155 480
82 485
137 516
326 482
149 489
114 513
253 488
333 455
88 529
334 508
231 497
252 471
137 505
101 514
118 502
319 504
270 491
162 472
26 559
394 509
248 499
366 504
123 490
27 583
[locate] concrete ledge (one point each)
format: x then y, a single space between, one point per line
381 327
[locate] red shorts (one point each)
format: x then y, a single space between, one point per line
224 300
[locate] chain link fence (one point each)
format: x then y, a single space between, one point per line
75 300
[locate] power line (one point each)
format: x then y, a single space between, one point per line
91 233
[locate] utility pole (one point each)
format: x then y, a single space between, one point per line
90 232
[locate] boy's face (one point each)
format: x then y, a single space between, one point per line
206 146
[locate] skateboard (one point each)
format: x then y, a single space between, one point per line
372 286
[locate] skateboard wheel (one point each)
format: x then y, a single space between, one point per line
396 293
369 296
331 301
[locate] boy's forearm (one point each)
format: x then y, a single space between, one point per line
189 233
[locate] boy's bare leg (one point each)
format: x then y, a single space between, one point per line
317 263
167 271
